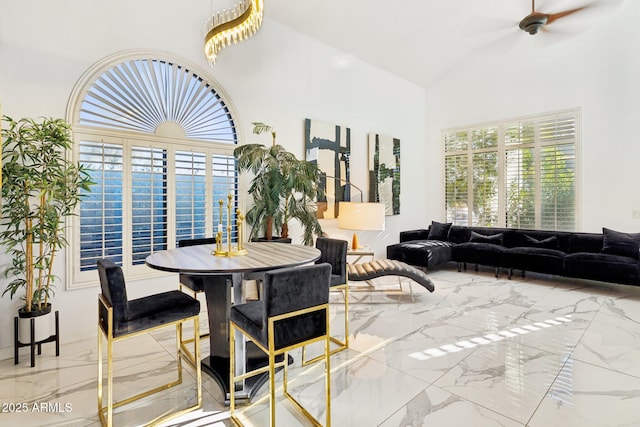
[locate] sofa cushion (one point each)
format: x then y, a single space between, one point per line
548 243
585 242
618 243
602 267
439 231
459 234
540 260
423 253
478 253
494 239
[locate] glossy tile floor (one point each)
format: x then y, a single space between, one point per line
479 351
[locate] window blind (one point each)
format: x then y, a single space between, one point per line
522 172
101 208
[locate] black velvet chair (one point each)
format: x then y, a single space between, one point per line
196 285
293 312
120 318
334 252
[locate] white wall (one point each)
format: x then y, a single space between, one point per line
279 77
595 67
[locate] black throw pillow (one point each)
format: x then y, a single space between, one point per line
494 239
618 243
439 231
548 243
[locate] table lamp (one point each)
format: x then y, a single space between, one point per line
360 216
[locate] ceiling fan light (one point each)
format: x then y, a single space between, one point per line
532 23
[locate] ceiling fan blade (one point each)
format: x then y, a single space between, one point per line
555 16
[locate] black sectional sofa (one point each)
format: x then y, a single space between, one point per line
608 257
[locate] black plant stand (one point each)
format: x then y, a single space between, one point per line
33 343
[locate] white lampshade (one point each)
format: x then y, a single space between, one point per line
361 216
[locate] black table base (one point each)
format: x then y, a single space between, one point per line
218 368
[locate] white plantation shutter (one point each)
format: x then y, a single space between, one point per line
158 140
101 209
224 183
191 190
558 172
149 202
520 174
456 145
457 185
485 188
533 186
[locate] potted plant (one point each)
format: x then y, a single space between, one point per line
41 187
283 189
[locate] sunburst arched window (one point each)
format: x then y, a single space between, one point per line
158 140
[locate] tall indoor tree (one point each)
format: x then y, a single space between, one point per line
41 187
283 188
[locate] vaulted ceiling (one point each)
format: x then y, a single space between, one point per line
420 40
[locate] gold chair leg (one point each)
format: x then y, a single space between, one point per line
106 412
327 374
342 345
184 343
272 389
232 372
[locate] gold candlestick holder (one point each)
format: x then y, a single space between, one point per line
227 249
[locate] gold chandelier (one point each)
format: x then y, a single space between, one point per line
231 26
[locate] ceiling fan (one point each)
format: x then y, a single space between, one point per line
537 20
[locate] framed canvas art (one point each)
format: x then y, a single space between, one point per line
329 146
384 172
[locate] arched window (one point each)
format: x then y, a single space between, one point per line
158 140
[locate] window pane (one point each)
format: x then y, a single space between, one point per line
191 184
522 173
149 202
456 141
485 189
457 190
521 188
224 184
557 186
484 138
101 208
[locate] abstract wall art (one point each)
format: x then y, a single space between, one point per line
384 172
329 146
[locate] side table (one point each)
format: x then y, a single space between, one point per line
359 254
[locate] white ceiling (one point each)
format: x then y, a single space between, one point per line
420 40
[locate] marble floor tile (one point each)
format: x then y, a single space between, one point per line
506 377
585 395
536 351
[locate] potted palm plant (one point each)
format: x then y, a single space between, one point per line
40 188
283 189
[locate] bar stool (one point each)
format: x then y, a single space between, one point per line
120 318
334 252
293 312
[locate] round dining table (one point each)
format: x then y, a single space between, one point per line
223 277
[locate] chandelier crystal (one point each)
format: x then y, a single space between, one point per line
231 26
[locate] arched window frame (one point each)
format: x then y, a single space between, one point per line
171 145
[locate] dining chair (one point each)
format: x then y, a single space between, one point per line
195 284
334 252
293 312
120 318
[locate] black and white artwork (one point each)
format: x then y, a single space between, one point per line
329 146
384 172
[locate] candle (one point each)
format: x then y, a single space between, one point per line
219 228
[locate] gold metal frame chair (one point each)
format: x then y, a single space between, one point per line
116 327
277 337
334 252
